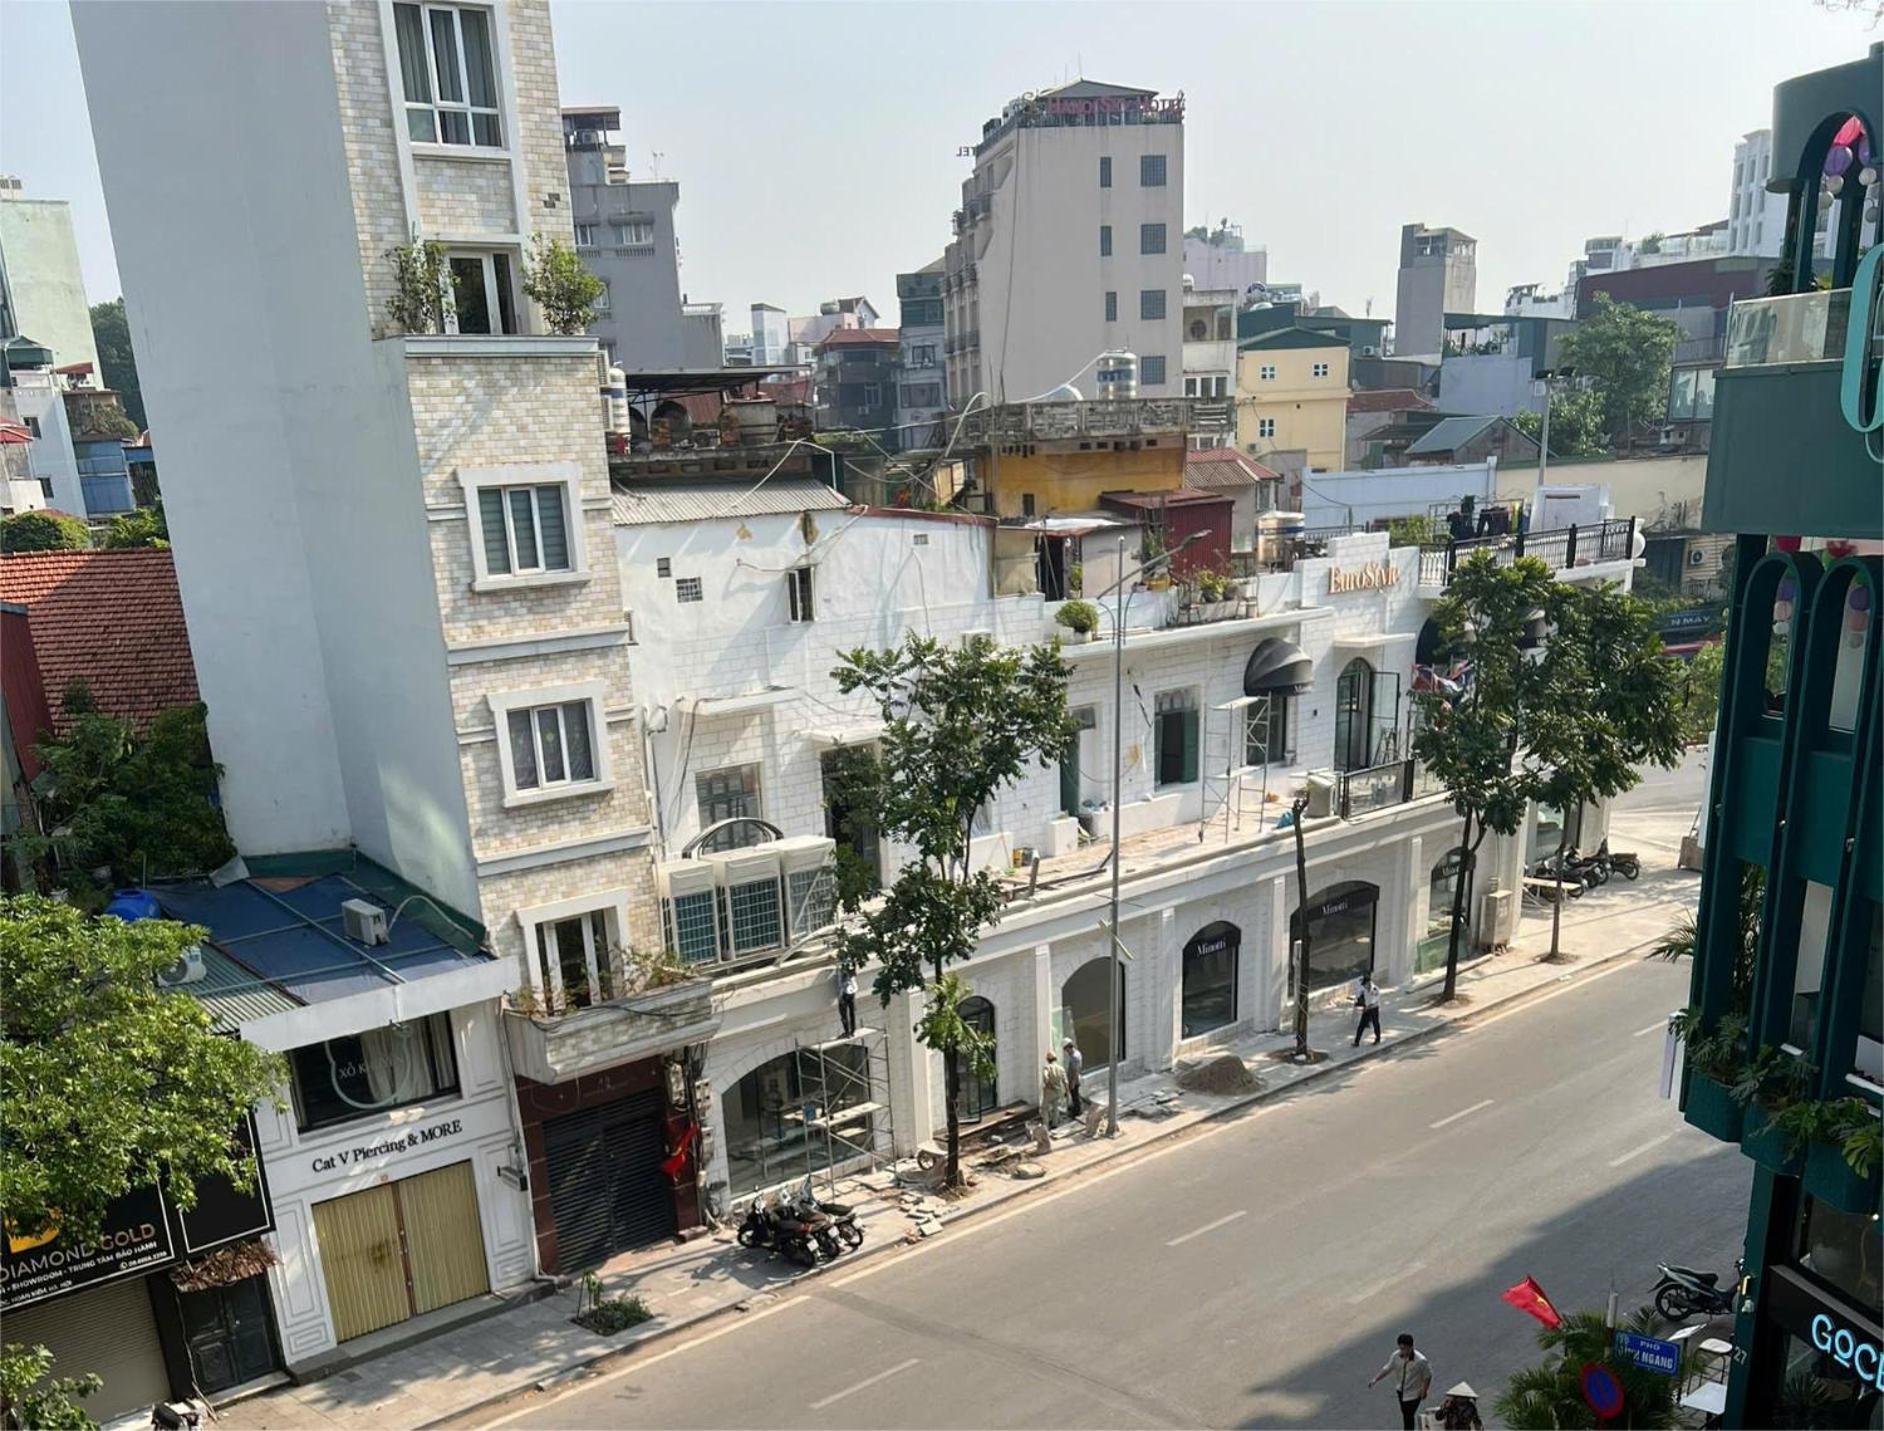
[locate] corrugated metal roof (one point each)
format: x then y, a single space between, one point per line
1450 433
1224 469
668 500
232 994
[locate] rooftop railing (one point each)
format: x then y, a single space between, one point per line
1796 328
1561 548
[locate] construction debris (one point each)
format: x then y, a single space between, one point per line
1220 1074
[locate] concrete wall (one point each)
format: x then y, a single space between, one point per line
1659 492
41 260
1484 383
1074 481
1310 413
1359 498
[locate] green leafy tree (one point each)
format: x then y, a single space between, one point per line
146 527
1608 702
1626 355
423 287
111 334
1550 1395
142 805
1700 700
553 276
43 532
1469 741
33 1399
960 724
111 1082
1576 424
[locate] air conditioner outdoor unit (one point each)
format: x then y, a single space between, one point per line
1697 556
363 921
690 909
809 866
188 969
752 912
1321 796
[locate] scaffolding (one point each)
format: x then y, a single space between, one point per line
843 1083
1234 790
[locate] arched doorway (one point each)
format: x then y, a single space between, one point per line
1210 958
1340 932
1441 884
979 1096
1085 1015
1354 716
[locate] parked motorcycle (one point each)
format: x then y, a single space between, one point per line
1592 870
842 1215
1624 862
1685 1292
783 1230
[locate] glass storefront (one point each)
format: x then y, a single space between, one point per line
1441 887
979 1096
368 1073
1084 1014
1819 1350
1340 933
1210 978
777 1116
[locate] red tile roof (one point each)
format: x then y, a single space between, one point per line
112 619
858 337
1218 467
1386 400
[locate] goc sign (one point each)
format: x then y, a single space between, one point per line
1847 1349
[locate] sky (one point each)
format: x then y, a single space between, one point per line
815 143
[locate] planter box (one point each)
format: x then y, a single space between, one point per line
1708 1108
1829 1178
1769 1147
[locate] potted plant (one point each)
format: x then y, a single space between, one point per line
1079 617
1076 578
1842 1160
422 295
1780 1118
1214 587
555 280
1713 1065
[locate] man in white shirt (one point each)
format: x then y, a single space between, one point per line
1412 1377
847 1000
1367 1000
1075 1061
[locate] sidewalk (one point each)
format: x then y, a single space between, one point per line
464 1369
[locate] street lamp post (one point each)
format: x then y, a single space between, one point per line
1118 779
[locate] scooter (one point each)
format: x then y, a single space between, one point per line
780 1228
1592 870
1624 862
1684 1292
842 1215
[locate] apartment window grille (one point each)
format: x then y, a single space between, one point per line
1267 372
1319 370
687 588
1112 306
551 746
1151 303
525 529
447 67
1105 171
1151 171
1105 240
725 795
633 233
1151 238
1151 370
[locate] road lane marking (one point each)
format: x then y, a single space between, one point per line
1207 1227
865 1384
1638 1152
1368 1293
1462 1113
1658 1024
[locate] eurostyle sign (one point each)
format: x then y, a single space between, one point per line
1650 1353
1374 576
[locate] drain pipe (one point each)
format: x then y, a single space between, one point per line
519 1149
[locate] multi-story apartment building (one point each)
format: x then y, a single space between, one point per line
856 381
1796 820
1218 258
624 232
1069 244
922 392
1209 348
1292 396
771 335
42 291
408 624
1438 275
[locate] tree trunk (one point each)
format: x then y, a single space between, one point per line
1468 857
952 1084
1556 905
1301 955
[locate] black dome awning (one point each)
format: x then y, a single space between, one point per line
1277 668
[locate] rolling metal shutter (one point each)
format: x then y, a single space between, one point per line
109 1330
607 1190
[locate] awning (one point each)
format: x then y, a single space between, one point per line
848 736
1277 667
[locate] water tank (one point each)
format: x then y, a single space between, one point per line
1116 376
131 905
615 394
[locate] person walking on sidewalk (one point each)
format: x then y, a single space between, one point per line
1412 1377
1052 1091
1367 1000
847 1000
1075 1061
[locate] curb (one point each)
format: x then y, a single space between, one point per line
662 1329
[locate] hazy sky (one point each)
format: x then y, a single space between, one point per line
815 144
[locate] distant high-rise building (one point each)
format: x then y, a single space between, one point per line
1756 216
42 294
770 335
1438 275
922 394
1069 244
1218 258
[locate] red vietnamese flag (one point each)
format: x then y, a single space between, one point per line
1527 1296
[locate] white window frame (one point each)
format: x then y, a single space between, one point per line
595 694
503 113
585 235
612 903
474 480
605 300
1319 370
1265 427
1266 372
801 595
486 259
621 232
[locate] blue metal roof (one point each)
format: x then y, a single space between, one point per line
286 935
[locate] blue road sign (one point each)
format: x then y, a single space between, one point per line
1650 1353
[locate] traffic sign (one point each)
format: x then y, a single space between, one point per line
1650 1353
1602 1390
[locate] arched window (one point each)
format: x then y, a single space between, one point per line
1210 978
1354 716
779 1117
1340 931
979 1096
1441 884
1083 1005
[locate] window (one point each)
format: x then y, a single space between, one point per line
1027 504
872 395
1105 171
1105 240
1151 238
1265 427
798 587
1266 735
1151 370
1150 303
551 745
633 233
585 235
573 955
1267 372
687 588
1112 306
526 529
1151 172
1190 387
363 1074
1220 385
482 299
663 566
1319 370
725 795
447 68
605 300
1174 737
922 355
1209 998
1354 716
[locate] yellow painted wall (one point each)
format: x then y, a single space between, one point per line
1074 481
1309 412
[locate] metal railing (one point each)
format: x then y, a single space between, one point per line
1377 787
1067 421
1561 548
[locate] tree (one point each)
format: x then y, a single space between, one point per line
424 287
1626 354
1576 425
1681 941
1469 740
1297 809
111 1082
554 278
1550 1394
43 532
111 334
1608 702
142 805
960 724
1700 701
146 527
27 1405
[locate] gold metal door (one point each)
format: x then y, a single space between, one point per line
444 1241
363 1261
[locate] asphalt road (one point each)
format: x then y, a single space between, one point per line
1256 1272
